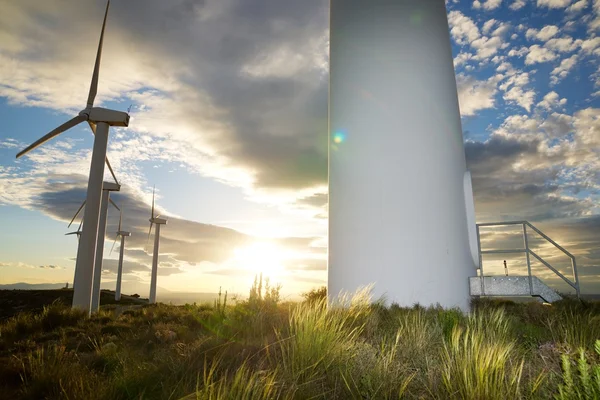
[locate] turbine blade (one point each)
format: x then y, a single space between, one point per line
152 212
77 213
94 84
149 232
112 172
114 204
80 223
113 246
71 233
67 125
120 218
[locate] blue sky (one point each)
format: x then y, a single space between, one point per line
229 121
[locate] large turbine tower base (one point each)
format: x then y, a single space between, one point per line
397 214
84 267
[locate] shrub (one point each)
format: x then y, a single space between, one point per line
480 361
584 383
315 295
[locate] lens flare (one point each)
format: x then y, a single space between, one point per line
339 137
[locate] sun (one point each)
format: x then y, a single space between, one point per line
261 257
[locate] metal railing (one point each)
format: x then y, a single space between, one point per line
574 284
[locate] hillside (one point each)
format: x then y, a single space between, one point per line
262 349
15 301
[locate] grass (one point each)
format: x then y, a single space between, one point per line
262 348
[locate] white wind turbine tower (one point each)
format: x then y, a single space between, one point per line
123 234
401 212
100 120
158 221
107 187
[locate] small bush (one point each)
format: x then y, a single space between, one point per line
315 295
480 362
584 382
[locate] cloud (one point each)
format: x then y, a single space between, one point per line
561 71
577 6
474 95
543 34
551 101
553 3
517 5
462 28
563 45
51 267
538 54
246 106
487 4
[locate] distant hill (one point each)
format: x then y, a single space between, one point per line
32 286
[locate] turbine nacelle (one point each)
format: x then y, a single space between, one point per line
111 187
123 233
157 220
110 117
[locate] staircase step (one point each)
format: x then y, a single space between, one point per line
511 286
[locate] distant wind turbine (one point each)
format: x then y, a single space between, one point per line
100 120
77 232
158 221
123 234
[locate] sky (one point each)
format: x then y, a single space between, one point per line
228 104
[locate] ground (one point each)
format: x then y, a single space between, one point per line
260 348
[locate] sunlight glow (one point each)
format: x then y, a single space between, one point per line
262 257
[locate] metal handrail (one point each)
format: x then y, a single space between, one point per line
574 284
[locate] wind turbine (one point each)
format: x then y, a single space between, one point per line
107 187
401 212
100 120
158 221
123 234
77 232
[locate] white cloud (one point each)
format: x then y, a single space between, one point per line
487 4
486 47
552 100
590 45
502 29
462 58
517 5
543 34
538 54
577 6
463 29
474 95
488 25
524 98
518 53
563 45
563 69
595 22
553 3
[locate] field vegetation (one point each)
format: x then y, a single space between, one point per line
262 348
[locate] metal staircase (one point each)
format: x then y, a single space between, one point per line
519 286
